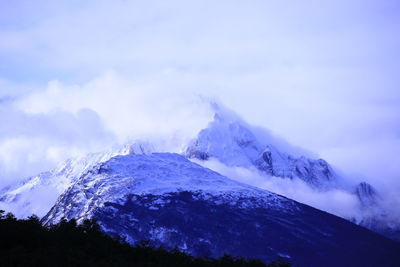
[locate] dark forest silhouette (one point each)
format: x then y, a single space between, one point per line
26 242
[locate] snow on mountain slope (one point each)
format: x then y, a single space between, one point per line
175 203
157 174
316 173
37 194
232 142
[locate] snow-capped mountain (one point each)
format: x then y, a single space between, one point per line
175 203
80 187
37 194
233 143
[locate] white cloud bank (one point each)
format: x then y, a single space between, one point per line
335 201
48 126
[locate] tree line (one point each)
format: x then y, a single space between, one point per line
26 242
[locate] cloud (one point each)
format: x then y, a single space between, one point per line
335 201
46 127
32 143
127 109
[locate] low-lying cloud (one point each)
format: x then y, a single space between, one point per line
32 143
45 127
335 201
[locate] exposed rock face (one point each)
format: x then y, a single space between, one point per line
233 144
230 142
367 194
316 173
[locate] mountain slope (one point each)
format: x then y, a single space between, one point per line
233 143
173 202
156 173
37 194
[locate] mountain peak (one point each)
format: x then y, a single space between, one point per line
367 194
234 143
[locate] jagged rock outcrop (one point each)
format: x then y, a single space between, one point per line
233 143
367 195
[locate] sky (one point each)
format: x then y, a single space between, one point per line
78 76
